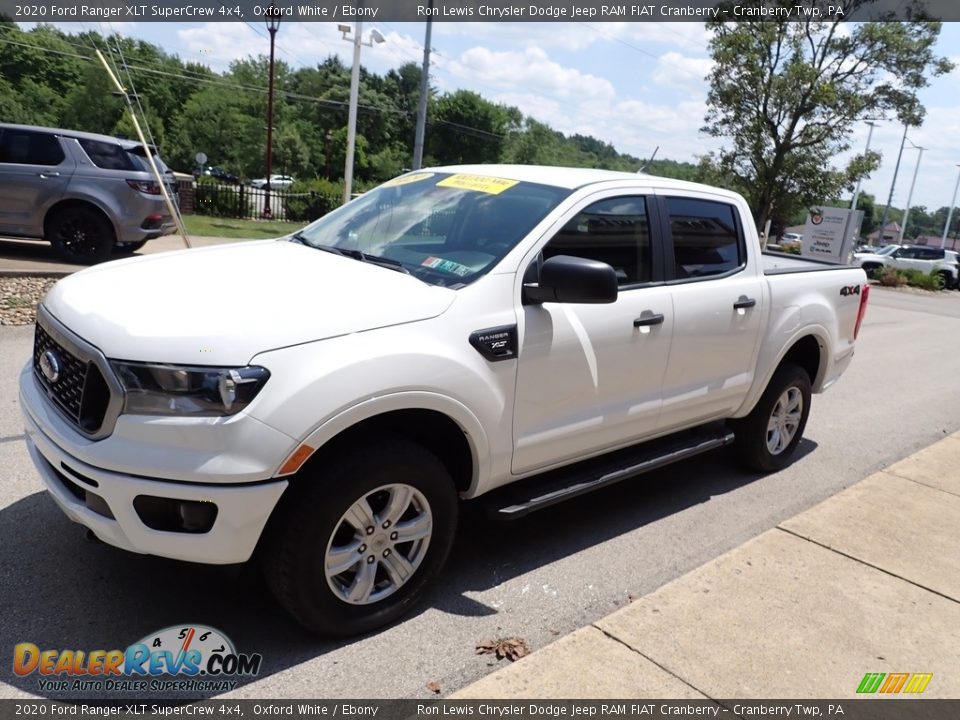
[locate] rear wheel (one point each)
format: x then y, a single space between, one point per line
766 439
355 549
946 280
81 235
871 269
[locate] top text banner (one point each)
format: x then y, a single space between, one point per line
475 10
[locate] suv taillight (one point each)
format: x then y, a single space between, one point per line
864 295
145 186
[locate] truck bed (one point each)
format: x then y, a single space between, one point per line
775 263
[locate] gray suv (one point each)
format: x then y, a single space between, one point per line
88 195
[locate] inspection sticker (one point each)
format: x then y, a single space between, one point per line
407 179
454 268
480 183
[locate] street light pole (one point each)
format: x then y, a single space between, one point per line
906 213
856 194
273 24
424 89
357 41
953 201
893 183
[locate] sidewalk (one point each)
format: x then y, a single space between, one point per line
866 581
34 257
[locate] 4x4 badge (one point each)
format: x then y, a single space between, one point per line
50 366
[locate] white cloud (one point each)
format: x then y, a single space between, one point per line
527 69
674 69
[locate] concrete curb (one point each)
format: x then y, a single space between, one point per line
866 581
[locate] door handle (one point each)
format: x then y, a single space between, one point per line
647 320
49 175
744 302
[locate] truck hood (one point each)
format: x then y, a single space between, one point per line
222 305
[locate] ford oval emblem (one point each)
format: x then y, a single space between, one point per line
50 366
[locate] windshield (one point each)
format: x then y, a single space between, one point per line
886 250
443 228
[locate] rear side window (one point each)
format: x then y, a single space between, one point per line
108 156
706 237
614 231
24 147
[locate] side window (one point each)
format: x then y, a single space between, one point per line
24 147
933 253
106 155
615 231
907 253
706 237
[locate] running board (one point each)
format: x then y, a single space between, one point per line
526 496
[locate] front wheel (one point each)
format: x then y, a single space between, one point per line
355 549
766 439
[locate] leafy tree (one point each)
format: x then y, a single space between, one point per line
787 93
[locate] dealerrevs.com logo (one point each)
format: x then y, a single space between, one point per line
191 658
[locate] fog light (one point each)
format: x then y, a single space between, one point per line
172 515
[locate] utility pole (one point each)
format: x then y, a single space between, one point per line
424 89
953 201
893 183
375 36
856 193
273 24
906 213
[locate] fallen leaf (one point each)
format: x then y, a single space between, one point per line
434 687
511 648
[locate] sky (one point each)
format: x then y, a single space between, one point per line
639 86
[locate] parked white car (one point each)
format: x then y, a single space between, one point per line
276 181
919 257
463 333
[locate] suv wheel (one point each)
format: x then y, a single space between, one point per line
81 235
355 549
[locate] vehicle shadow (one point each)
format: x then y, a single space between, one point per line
60 592
34 251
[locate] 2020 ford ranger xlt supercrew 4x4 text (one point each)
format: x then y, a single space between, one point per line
327 400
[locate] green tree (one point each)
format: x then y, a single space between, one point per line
787 93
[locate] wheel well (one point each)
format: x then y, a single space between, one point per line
73 203
805 353
428 428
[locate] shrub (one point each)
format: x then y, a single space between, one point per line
891 277
219 200
310 199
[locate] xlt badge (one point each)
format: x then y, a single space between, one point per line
498 343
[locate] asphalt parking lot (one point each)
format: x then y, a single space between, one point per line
539 578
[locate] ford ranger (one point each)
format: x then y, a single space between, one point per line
325 401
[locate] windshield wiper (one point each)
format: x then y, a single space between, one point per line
389 263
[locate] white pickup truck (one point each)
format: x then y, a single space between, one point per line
326 400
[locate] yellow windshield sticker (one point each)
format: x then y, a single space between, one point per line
480 183
407 179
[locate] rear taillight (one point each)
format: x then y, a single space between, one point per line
145 186
864 296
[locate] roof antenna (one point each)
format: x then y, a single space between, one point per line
643 168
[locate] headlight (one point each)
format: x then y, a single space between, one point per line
183 390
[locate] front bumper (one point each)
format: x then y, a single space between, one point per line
103 499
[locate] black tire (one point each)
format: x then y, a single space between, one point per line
946 280
313 519
128 248
81 235
752 438
871 269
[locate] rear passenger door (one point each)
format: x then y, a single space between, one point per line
718 308
34 172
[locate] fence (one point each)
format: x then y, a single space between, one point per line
246 201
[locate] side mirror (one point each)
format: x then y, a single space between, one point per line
568 279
